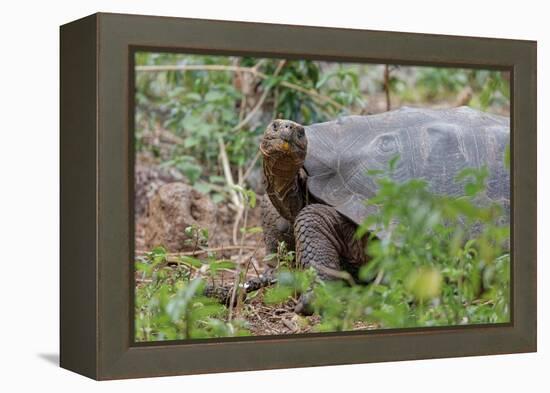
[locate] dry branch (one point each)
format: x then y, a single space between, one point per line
236 198
320 98
203 250
227 294
260 102
341 274
387 86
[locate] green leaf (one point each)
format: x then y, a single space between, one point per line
392 163
471 189
218 198
277 294
217 179
193 96
214 96
144 267
251 199
190 142
191 261
221 264
252 230
272 81
270 257
507 157
202 187
375 172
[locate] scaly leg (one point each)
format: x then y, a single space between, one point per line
325 241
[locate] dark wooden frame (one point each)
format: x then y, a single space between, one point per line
97 199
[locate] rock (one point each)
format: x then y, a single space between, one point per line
148 179
173 208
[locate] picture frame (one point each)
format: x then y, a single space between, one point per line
96 269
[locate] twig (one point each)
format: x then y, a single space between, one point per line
237 220
245 95
193 67
170 137
236 287
235 198
242 122
214 67
239 175
260 102
242 109
337 274
250 167
259 64
379 277
291 326
202 250
387 86
312 93
227 172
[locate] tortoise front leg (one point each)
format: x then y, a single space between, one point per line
325 241
317 240
276 229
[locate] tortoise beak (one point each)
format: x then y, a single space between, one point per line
285 146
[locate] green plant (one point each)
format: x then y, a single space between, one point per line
487 87
494 89
291 283
179 311
169 300
433 253
196 237
283 257
437 80
434 260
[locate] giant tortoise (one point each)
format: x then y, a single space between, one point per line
316 176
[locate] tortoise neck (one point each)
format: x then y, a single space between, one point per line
285 186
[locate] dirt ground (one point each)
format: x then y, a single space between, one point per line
262 319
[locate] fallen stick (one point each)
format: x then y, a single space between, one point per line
202 250
224 293
322 99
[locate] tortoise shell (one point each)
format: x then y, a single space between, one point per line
432 144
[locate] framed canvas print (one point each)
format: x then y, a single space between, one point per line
240 196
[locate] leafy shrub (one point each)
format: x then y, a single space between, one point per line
170 305
434 261
487 87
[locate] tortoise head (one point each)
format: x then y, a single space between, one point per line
285 139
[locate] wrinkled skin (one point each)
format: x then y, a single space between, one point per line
321 237
284 148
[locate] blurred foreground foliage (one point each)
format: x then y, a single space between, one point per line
434 261
170 303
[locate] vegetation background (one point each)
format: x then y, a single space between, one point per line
198 122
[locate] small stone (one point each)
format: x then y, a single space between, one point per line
175 207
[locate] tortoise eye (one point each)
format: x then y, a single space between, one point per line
301 132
